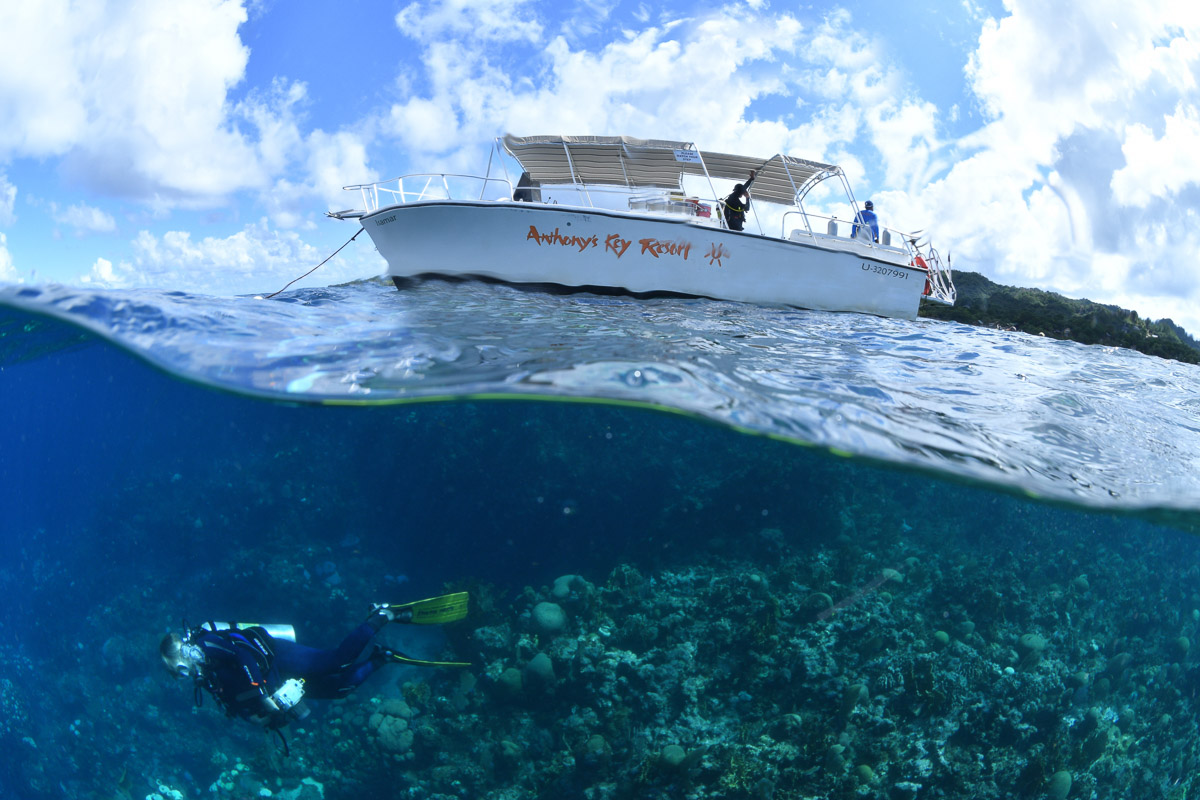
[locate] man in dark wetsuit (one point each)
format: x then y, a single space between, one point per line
264 679
737 204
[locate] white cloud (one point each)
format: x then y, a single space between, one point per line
275 114
84 218
131 95
333 160
423 123
1084 178
632 85
860 96
1159 166
697 79
8 272
255 259
498 20
134 99
104 274
8 200
42 94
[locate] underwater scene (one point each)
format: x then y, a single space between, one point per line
711 550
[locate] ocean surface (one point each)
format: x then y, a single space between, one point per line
798 554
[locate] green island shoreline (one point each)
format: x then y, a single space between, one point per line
982 302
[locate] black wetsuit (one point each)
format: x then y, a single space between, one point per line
736 208
243 668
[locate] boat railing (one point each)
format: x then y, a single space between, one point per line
659 202
420 187
939 283
417 187
939 287
889 238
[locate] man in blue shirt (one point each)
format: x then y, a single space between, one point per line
866 220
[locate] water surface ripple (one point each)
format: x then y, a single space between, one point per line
1089 425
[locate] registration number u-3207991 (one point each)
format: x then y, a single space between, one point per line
879 269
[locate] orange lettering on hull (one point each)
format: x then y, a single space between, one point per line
656 248
617 245
565 241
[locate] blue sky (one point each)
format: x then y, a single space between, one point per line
196 144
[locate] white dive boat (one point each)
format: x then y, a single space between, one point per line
613 213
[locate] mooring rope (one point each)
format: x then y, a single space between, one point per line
318 266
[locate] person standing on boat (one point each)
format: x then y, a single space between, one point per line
866 220
737 204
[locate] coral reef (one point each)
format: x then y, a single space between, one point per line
775 626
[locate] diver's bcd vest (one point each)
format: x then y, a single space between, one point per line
235 643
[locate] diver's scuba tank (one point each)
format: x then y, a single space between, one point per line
277 631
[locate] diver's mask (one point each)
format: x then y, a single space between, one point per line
191 657
181 656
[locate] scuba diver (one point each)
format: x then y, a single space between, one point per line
260 673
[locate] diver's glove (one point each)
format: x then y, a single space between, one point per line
381 614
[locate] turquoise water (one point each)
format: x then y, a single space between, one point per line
767 508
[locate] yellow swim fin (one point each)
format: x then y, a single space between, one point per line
399 658
434 611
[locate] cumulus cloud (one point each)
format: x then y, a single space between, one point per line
84 218
701 79
8 199
1084 177
105 275
134 99
498 20
1159 166
257 258
690 79
333 161
858 96
8 273
131 95
276 114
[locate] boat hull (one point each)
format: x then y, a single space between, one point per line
573 247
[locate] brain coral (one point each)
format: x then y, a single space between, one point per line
394 735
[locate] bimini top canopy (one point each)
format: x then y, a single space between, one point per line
658 164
